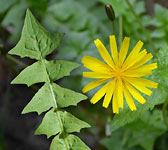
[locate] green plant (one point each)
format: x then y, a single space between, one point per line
84 21
37 43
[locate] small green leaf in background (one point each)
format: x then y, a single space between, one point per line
146 130
114 142
140 134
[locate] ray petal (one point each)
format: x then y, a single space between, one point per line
147 67
134 53
142 61
124 50
95 65
120 93
115 105
104 53
113 47
109 93
101 92
146 82
133 73
93 85
141 71
141 55
139 86
134 93
97 75
129 99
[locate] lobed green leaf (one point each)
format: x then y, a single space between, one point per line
35 42
50 124
59 68
36 73
74 143
42 101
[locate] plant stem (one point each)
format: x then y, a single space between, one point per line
50 82
164 108
11 60
55 103
15 60
109 118
107 126
114 27
125 137
141 25
120 30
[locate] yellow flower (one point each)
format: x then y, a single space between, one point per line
121 74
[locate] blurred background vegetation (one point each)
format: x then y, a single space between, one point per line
83 21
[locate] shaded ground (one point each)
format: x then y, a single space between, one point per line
17 129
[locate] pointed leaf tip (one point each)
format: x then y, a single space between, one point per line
31 44
28 11
31 75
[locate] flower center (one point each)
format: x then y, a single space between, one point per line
118 72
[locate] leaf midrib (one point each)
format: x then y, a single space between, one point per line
51 90
55 103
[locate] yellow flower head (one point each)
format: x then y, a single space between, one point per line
121 74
